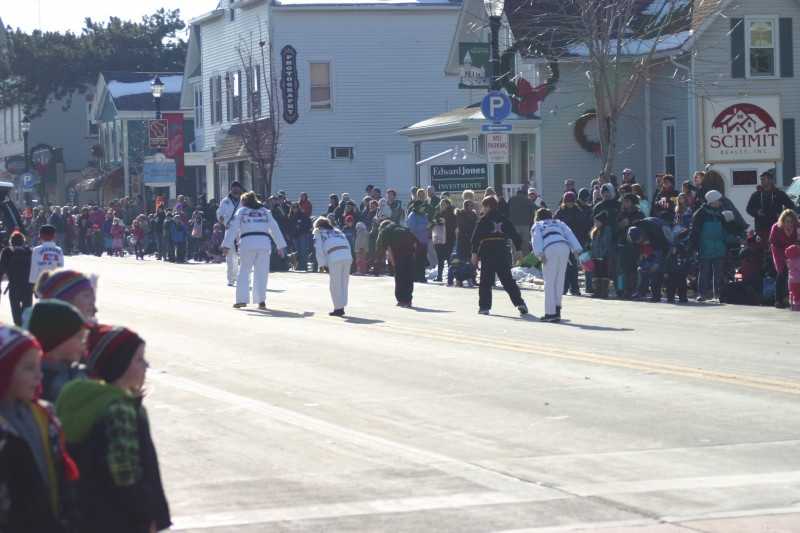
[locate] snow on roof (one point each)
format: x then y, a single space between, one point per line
333 3
172 84
635 47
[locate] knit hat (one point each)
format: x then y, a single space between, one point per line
584 195
111 350
14 342
62 284
713 196
634 234
569 197
608 189
52 322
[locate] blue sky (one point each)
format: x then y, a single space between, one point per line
61 15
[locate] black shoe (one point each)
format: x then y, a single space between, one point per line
523 309
337 312
262 306
239 306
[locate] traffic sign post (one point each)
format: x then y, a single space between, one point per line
497 128
29 181
158 133
497 148
496 106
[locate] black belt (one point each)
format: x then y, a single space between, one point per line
337 248
254 234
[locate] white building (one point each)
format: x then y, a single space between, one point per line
355 74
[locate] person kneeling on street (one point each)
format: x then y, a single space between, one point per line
490 248
256 229
333 252
552 242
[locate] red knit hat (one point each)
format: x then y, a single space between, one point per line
14 343
111 350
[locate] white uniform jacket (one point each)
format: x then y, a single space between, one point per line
552 231
253 229
47 256
227 208
332 246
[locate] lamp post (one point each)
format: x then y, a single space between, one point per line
157 88
494 8
25 125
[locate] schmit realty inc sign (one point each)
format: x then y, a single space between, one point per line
448 178
743 129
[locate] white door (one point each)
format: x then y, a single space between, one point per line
741 180
399 168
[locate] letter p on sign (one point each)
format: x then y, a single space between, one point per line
496 106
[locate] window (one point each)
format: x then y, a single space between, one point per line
668 140
341 152
320 85
236 95
215 95
13 124
254 91
745 177
198 105
762 44
5 125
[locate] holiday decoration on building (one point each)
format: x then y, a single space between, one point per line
593 147
525 98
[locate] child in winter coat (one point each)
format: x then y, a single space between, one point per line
215 243
793 264
108 432
117 238
362 248
179 236
138 236
34 465
602 244
61 331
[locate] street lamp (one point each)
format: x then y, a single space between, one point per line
25 125
494 8
157 88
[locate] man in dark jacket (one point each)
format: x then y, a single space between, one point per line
520 212
15 262
574 216
402 246
628 252
766 204
490 247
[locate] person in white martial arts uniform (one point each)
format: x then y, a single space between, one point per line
333 251
255 229
227 208
552 242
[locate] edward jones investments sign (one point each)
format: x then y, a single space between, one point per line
449 178
743 129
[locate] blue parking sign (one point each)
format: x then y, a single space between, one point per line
496 106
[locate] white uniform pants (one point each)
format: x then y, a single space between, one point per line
258 262
554 270
339 280
232 262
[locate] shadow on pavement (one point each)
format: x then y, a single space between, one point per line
364 321
279 314
591 328
426 310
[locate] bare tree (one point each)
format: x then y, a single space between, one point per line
260 131
618 41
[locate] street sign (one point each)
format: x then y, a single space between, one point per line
158 132
497 148
29 180
454 178
496 106
497 128
160 170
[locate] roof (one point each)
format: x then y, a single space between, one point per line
364 3
664 25
233 146
454 117
131 90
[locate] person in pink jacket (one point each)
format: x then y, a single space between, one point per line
783 234
793 266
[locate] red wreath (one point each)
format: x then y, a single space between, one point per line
581 138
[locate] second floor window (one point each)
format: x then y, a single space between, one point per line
762 44
215 96
236 94
198 105
320 74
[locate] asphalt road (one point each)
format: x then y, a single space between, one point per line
628 417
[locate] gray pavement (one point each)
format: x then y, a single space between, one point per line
629 417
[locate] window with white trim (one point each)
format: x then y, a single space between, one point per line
668 142
320 75
342 152
236 94
761 34
215 98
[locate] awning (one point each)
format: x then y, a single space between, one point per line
462 123
234 146
92 179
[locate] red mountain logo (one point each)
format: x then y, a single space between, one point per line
744 129
744 118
